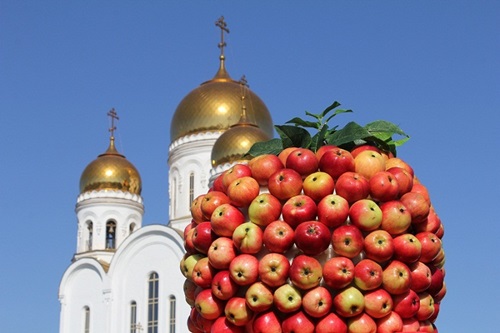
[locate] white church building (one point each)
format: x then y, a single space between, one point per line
124 277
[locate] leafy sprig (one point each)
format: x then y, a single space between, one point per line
297 133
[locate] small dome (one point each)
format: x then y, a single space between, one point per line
216 105
111 170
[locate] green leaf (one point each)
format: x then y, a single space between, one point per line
339 111
273 146
328 109
318 139
301 122
382 126
293 136
350 133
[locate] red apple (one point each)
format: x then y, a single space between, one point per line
203 236
426 309
352 186
431 245
417 205
221 252
331 323
208 306
362 323
378 303
407 248
420 188
312 237
379 246
396 219
189 288
437 280
248 238
223 325
440 294
283 155
264 209
358 149
384 186
398 162
212 200
236 171
390 323
287 298
317 302
303 161
263 166
426 326
187 263
223 287
396 278
365 214
297 322
259 297
203 273
420 276
225 218
266 322
367 274
347 241
406 304
336 161
368 163
298 209
404 178
432 223
278 236
218 185
333 210
305 272
338 272
323 149
188 242
410 325
285 183
349 302
244 269
273 269
243 191
317 185
237 311
195 209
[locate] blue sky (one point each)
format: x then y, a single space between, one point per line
431 67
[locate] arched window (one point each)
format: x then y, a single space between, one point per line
133 317
173 196
86 319
90 234
131 228
110 234
153 303
191 188
172 314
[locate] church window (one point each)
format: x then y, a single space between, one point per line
153 303
86 320
173 195
131 228
191 188
133 317
90 233
110 234
172 314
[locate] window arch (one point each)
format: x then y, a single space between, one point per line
172 314
133 317
86 319
153 298
90 235
110 234
131 227
191 187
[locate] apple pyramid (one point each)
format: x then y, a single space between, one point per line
328 232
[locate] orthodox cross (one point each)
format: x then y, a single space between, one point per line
223 27
112 114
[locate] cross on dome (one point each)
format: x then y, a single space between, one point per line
113 115
223 27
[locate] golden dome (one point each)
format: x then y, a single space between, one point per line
216 105
111 170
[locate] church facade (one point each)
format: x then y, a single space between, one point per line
125 277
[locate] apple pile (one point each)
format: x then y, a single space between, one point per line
316 236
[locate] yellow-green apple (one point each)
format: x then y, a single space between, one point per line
384 186
212 200
398 162
242 191
378 245
352 186
285 183
417 205
298 209
396 219
223 287
426 308
312 237
349 302
259 297
404 178
396 278
317 302
203 273
359 149
367 275
221 252
426 326
237 311
225 218
338 272
431 245
189 288
223 325
378 303
406 304
420 276
368 163
263 166
365 214
390 323
264 209
331 323
203 236
323 149
410 325
347 241
287 298
266 322
208 306
336 161
236 171
248 238
283 155
195 209
244 269
187 264
437 280
435 314
305 272
420 188
297 322
303 161
407 248
317 185
273 269
362 323
333 210
278 236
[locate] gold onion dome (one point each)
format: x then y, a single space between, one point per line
111 171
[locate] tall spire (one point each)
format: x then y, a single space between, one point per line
221 23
